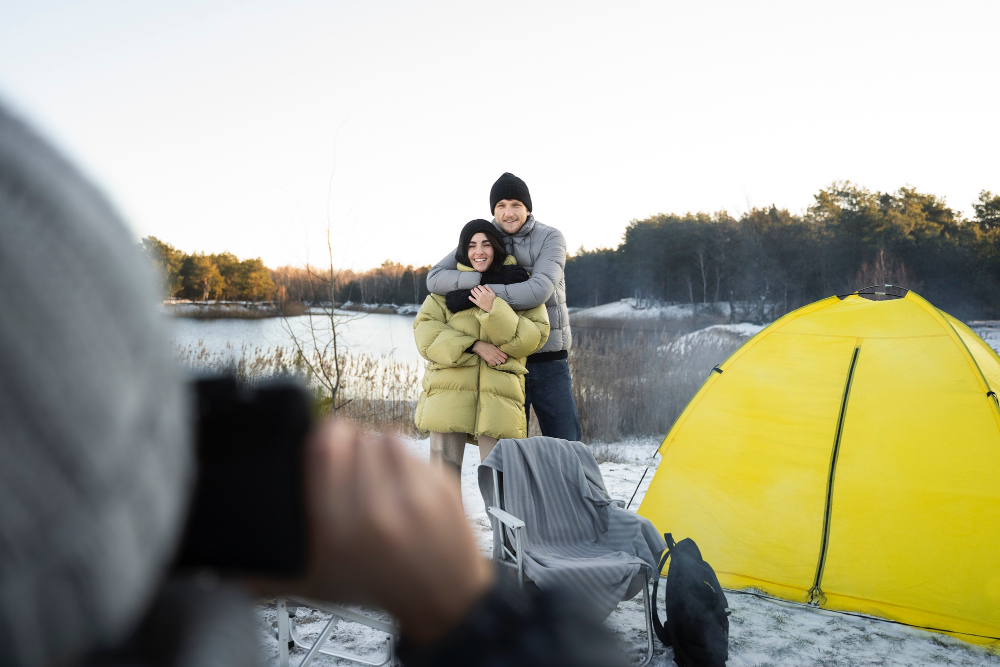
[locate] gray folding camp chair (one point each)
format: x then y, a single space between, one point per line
510 537
287 633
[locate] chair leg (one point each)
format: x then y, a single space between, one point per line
393 658
338 614
648 613
282 632
323 636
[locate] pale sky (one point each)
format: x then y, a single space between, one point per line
245 126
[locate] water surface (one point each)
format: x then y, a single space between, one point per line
360 333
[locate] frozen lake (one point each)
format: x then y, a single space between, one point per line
361 333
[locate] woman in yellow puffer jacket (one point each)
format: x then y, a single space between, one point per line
475 346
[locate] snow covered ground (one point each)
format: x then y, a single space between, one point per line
763 632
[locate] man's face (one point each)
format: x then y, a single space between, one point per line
511 215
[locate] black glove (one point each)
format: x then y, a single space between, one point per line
508 274
458 300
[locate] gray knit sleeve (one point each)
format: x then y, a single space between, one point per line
445 277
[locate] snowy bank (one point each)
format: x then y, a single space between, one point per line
718 335
211 310
643 309
381 308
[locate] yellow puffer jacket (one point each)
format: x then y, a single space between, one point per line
461 392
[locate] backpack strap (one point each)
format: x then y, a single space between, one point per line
661 631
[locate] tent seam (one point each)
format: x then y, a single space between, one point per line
990 351
963 348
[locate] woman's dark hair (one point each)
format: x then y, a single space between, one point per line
472 228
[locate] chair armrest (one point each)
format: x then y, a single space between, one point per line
506 518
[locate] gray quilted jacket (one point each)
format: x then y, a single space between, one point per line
542 251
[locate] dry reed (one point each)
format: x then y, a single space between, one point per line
377 392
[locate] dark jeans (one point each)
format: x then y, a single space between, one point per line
548 389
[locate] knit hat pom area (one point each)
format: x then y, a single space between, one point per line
94 441
472 228
509 186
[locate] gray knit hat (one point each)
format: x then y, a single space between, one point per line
94 464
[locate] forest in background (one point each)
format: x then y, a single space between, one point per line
224 277
764 263
769 261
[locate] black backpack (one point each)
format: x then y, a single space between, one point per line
697 610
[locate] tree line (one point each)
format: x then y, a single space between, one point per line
197 276
769 261
390 283
223 276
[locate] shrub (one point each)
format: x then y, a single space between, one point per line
638 385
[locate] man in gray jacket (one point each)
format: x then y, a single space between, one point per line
542 251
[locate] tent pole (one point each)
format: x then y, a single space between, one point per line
643 476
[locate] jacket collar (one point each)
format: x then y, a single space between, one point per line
525 229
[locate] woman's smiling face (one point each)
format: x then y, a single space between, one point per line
480 252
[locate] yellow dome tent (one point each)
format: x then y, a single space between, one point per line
848 455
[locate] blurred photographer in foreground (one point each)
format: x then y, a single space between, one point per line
97 476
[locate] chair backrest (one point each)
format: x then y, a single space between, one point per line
557 488
574 536
496 489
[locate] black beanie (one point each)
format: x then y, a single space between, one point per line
509 186
472 228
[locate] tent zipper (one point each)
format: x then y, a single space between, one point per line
816 593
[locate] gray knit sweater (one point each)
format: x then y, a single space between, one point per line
94 452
